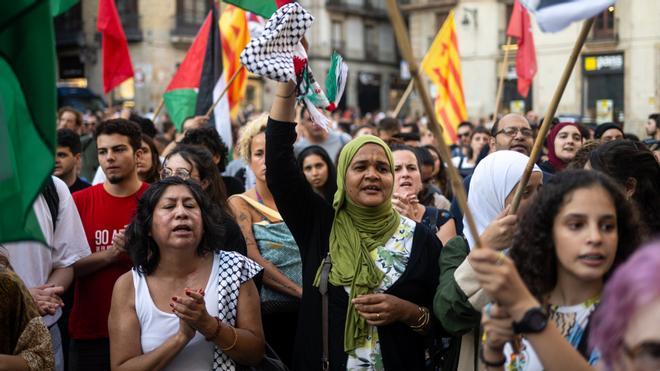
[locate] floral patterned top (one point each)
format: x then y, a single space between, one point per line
571 320
392 259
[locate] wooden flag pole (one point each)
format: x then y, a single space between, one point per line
500 85
550 113
224 91
158 109
406 51
403 98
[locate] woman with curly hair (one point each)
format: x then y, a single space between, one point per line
269 243
186 304
580 229
634 167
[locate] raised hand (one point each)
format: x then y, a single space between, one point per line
499 234
498 275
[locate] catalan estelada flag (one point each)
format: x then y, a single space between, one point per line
234 37
442 65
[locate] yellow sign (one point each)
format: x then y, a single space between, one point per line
590 64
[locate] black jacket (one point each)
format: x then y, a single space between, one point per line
310 218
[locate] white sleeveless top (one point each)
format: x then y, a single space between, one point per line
157 326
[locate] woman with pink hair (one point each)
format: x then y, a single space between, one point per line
626 326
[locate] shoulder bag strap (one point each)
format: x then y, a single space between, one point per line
323 288
272 215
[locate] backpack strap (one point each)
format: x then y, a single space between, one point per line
52 200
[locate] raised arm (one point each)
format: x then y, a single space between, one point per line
295 199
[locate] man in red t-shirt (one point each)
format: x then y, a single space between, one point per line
105 210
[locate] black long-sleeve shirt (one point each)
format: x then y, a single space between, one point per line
309 219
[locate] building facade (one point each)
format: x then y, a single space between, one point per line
617 77
159 34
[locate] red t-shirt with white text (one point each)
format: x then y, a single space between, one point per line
102 215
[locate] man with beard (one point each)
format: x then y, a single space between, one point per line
512 132
105 210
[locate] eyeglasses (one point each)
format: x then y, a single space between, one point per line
646 355
513 131
179 173
464 135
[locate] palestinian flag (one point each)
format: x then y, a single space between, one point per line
28 104
199 81
264 8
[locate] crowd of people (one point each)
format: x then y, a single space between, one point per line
345 249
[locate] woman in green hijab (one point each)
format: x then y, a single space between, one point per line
384 265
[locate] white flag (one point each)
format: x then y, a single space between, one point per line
555 15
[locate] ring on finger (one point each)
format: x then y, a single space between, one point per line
499 258
378 316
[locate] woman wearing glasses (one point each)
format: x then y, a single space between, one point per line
193 162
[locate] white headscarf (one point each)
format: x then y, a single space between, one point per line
492 181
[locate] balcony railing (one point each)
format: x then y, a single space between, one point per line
364 8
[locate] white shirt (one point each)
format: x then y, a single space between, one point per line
33 261
157 326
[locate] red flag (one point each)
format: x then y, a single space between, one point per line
117 65
520 27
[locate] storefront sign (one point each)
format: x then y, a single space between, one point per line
604 63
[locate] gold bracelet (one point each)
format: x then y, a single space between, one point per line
423 320
235 340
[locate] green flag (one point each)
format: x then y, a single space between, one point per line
264 8
58 7
27 113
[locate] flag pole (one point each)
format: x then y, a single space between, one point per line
500 85
224 91
158 109
550 112
406 51
403 98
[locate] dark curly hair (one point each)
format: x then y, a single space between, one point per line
626 159
533 248
141 246
209 138
123 127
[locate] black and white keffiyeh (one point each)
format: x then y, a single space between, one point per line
234 269
271 55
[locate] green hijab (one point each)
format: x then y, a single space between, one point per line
356 231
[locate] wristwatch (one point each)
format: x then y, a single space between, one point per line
533 322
